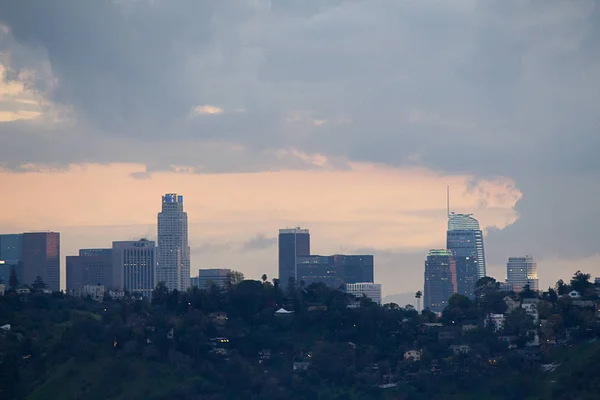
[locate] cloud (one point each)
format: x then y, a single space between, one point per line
259 242
481 89
208 109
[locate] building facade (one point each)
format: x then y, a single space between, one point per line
355 268
465 239
293 243
522 271
440 279
11 256
91 267
318 269
133 266
371 290
173 266
41 257
214 276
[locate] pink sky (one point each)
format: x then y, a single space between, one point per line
368 206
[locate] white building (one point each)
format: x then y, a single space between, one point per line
96 292
522 271
371 290
134 264
412 355
531 309
173 267
496 321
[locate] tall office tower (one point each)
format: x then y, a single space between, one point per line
521 271
465 239
440 279
41 257
173 266
11 256
371 290
90 267
133 266
293 243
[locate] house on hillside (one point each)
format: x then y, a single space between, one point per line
412 355
496 321
459 349
510 303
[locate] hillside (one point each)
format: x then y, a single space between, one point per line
231 344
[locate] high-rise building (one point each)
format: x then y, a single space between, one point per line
11 256
173 266
41 257
293 243
522 271
133 266
214 276
371 290
465 239
355 268
318 269
440 279
90 267
335 271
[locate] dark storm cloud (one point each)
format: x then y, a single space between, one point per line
488 88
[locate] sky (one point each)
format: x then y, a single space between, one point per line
346 117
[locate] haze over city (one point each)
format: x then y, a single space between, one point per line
345 117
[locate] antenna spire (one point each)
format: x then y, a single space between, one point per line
448 200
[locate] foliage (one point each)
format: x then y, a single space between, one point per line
229 344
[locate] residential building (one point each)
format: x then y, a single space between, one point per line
496 321
532 310
412 355
41 257
522 271
293 243
134 266
215 276
440 279
370 290
465 239
90 267
173 267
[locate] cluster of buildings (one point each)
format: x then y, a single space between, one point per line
352 273
137 266
458 267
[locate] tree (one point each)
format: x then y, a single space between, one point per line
264 278
562 287
233 278
581 282
418 296
38 284
160 294
13 282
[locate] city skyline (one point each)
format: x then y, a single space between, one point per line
292 116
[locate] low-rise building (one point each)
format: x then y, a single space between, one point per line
412 355
532 311
460 349
496 321
96 292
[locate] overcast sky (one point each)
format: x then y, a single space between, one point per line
347 117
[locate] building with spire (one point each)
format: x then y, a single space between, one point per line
173 267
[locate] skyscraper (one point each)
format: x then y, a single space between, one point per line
41 257
521 271
293 243
133 266
11 256
440 279
465 239
90 267
173 266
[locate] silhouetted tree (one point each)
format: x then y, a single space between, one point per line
562 287
264 278
581 282
13 282
160 294
38 284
